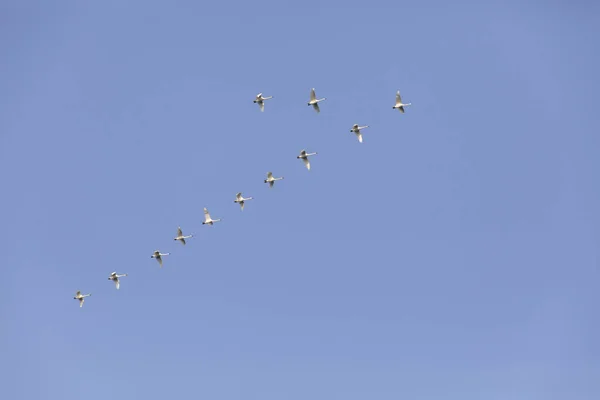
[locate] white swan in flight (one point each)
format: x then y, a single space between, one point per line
81 297
399 104
240 199
356 129
314 101
180 236
158 255
115 278
207 219
271 180
260 100
304 157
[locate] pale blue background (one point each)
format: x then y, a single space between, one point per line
452 255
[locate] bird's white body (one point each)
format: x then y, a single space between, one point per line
241 200
271 180
304 157
207 219
314 101
260 100
356 129
180 236
115 278
399 104
158 255
81 297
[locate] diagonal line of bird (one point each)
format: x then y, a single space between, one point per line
239 199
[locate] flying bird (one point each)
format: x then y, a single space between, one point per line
158 255
260 100
81 297
399 104
356 129
180 236
314 101
207 219
304 157
115 278
240 199
270 180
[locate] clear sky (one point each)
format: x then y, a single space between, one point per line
451 255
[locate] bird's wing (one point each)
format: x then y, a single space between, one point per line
258 95
401 109
313 96
179 232
78 293
398 98
316 107
269 175
117 284
182 240
262 106
307 163
355 126
303 153
271 183
81 300
206 215
359 135
238 196
242 205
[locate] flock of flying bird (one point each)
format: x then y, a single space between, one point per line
239 199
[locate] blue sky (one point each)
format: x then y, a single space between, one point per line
452 255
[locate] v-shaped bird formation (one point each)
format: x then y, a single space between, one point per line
239 199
